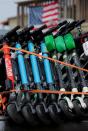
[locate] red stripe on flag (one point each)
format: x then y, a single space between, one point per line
55 14
56 19
51 13
54 8
51 8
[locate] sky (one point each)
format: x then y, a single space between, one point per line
7 9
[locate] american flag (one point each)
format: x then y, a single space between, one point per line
51 13
48 14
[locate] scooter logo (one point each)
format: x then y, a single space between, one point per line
9 69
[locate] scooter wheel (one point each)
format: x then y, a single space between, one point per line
79 110
42 113
66 110
14 115
29 114
86 101
55 113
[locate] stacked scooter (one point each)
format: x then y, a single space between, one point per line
24 72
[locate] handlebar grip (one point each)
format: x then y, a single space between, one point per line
55 28
63 29
38 30
51 30
68 28
76 24
12 31
31 27
62 23
26 30
79 23
72 24
23 30
42 27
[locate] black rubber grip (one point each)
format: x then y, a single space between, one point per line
68 28
55 28
41 28
22 31
62 23
73 25
26 30
37 31
79 23
63 29
12 31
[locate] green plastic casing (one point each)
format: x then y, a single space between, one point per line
60 44
69 41
49 41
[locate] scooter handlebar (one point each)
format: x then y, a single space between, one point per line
61 30
12 31
79 23
55 28
37 31
65 28
25 30
70 28
62 23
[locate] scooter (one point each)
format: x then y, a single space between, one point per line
53 109
70 41
39 102
10 81
25 105
61 47
79 104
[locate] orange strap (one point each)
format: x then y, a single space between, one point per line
51 59
46 92
2 102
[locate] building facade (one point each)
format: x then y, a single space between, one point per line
74 9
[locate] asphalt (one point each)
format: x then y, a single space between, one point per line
7 125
